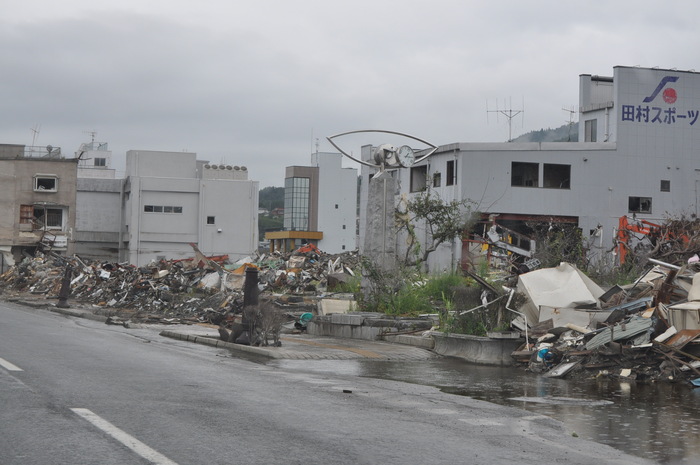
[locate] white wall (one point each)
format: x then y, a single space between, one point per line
337 203
233 203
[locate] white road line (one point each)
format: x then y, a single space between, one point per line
9 366
129 441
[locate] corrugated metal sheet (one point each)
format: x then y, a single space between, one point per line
619 331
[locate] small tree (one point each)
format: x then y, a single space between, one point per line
443 221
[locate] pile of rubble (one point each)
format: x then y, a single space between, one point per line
200 289
646 331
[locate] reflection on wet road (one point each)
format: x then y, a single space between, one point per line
656 421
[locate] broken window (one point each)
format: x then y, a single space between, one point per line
640 204
419 178
450 173
45 183
591 128
48 218
437 179
665 185
524 174
556 176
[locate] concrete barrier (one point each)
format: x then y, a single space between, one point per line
363 325
476 349
410 340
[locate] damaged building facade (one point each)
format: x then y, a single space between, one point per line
636 157
98 203
37 201
320 206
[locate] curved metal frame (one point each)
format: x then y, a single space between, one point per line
418 160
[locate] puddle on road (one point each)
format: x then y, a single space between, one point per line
562 401
656 421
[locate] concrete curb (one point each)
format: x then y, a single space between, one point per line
87 314
218 343
78 314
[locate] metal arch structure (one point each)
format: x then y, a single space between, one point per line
433 148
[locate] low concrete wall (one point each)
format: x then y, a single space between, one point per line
409 340
476 349
362 325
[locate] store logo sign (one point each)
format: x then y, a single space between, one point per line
669 94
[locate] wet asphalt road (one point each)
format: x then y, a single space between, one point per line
79 392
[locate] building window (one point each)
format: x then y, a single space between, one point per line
524 174
640 204
419 178
100 162
48 218
45 183
556 176
343 226
665 185
591 127
297 195
161 209
437 179
450 172
336 206
211 220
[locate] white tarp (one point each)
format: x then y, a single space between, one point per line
561 287
561 316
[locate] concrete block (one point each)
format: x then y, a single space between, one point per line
347 319
329 306
476 349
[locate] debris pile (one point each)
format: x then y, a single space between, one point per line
646 331
200 289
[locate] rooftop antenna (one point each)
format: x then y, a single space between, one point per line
572 111
317 146
36 129
92 133
508 113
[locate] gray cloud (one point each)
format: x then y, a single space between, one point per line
255 83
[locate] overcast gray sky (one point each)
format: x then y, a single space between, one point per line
255 83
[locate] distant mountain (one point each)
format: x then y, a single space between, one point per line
565 133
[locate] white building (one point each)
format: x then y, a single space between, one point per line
95 161
172 200
320 206
167 201
639 136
